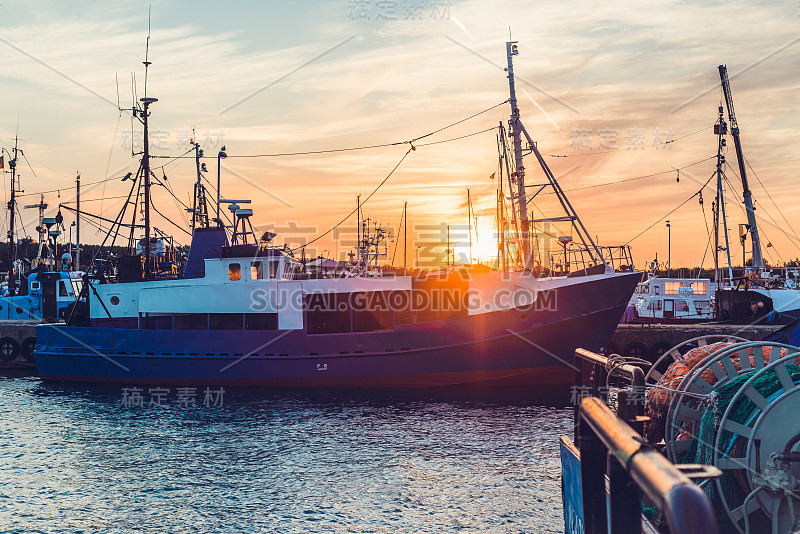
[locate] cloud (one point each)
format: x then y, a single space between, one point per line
622 64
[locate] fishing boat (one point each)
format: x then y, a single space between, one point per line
241 311
758 293
43 288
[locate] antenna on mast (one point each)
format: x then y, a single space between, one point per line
147 50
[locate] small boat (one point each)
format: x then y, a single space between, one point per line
673 300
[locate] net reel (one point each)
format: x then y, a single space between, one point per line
754 448
737 410
674 354
695 393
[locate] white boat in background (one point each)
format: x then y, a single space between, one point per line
673 300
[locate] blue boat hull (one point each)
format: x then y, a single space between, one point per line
511 347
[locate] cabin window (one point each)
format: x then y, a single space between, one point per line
672 288
699 288
273 269
371 311
34 285
235 271
191 321
156 321
656 290
256 270
681 306
327 313
260 321
62 289
654 305
225 321
115 300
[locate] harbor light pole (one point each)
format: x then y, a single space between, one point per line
669 250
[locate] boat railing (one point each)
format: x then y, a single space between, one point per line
575 257
764 278
611 445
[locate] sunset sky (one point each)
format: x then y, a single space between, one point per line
603 83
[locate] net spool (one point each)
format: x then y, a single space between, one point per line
682 364
676 353
740 408
695 393
760 421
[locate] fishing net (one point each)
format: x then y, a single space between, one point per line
658 398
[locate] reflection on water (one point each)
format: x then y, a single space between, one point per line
74 458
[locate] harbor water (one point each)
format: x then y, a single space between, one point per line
78 458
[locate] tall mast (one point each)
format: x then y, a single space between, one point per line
12 208
720 130
469 224
518 176
747 195
77 223
146 101
199 207
358 230
405 236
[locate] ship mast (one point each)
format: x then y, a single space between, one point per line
747 195
199 206
720 129
144 113
12 208
517 179
518 176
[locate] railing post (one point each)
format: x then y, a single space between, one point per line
593 480
577 364
624 500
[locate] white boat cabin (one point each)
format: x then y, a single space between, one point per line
674 299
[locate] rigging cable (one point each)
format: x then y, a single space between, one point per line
360 204
770 197
632 179
111 150
365 147
152 205
761 230
793 238
671 211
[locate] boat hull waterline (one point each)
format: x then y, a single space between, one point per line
502 348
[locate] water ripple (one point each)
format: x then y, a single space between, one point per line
73 459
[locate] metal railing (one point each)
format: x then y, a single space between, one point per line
592 372
634 467
610 445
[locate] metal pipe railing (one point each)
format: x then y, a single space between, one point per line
609 446
591 371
